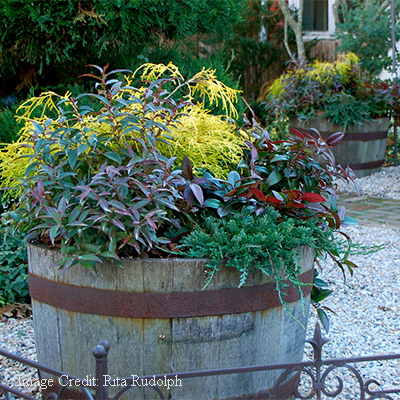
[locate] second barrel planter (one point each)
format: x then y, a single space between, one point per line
363 147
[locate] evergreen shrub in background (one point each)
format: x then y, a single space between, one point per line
49 42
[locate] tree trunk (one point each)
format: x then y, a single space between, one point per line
295 25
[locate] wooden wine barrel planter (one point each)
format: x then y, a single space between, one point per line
158 319
363 147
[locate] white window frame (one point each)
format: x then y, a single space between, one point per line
319 34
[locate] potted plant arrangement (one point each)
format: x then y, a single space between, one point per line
185 240
332 97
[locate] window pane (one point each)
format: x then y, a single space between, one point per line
315 15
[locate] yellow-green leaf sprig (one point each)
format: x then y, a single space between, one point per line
205 83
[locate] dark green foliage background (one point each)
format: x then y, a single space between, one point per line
9 127
50 41
13 270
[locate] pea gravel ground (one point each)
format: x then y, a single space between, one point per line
385 183
366 319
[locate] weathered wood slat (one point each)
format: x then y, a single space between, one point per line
47 335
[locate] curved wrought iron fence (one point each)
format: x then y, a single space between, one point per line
315 379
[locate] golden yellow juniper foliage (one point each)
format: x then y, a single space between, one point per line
45 100
13 164
276 88
152 72
210 141
204 82
318 72
344 63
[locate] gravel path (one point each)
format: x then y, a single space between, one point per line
366 306
367 309
16 336
385 183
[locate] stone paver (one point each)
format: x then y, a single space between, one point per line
373 211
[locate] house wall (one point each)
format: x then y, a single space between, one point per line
325 50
